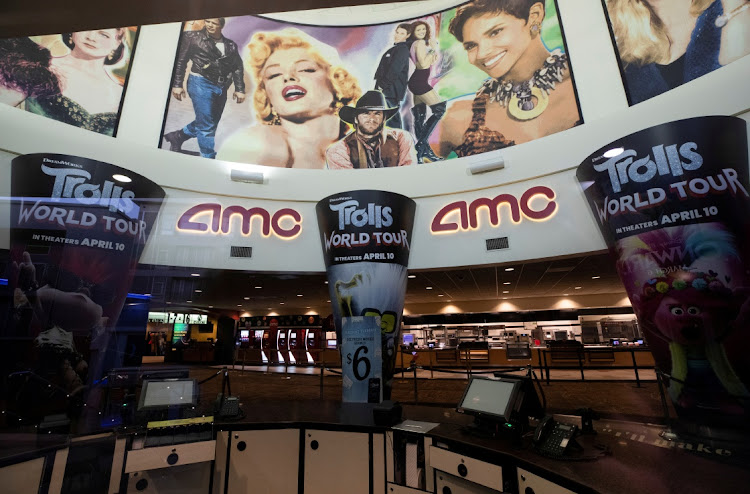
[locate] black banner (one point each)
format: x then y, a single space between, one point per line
673 204
78 227
366 239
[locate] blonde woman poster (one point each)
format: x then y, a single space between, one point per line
663 44
77 78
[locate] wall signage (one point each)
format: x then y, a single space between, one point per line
468 213
177 318
285 223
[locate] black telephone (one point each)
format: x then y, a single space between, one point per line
553 438
227 406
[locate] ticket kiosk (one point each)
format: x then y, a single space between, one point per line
298 347
282 345
270 354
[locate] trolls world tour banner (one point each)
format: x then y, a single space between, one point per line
673 203
366 239
78 227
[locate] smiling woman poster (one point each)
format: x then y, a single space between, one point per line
475 78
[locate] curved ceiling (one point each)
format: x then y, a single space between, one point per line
23 18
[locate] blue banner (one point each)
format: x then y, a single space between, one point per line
362 360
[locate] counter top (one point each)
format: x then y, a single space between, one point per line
639 460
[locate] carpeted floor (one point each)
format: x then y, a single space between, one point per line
613 399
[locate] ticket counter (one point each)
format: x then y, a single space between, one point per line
328 447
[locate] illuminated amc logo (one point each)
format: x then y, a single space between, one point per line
468 214
285 223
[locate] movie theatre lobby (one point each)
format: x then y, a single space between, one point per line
349 247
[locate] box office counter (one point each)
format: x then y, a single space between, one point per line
593 355
327 446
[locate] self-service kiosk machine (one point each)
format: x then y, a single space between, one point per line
314 344
295 344
282 345
269 352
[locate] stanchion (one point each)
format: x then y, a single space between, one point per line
322 371
635 368
667 434
416 397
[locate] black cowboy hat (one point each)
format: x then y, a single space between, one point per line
371 100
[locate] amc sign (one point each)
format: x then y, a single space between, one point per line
468 213
285 223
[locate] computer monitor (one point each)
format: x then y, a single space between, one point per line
491 399
408 338
244 335
163 394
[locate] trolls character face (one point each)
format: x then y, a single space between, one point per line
690 317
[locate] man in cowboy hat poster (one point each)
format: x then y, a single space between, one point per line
371 144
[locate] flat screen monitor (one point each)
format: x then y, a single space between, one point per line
161 394
180 333
408 339
490 398
331 343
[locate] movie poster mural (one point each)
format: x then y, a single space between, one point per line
77 229
480 77
673 204
663 44
77 78
366 240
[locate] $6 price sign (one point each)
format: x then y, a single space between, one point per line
358 361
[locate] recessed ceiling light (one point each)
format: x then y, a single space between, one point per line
505 298
199 291
121 178
428 288
565 294
270 308
189 301
510 269
506 283
246 298
194 274
210 306
327 300
506 291
595 277
326 282
281 303
613 152
239 305
578 287
299 294
307 307
412 276
258 287
169 302
441 295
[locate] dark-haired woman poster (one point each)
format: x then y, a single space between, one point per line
529 93
25 71
424 54
89 95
